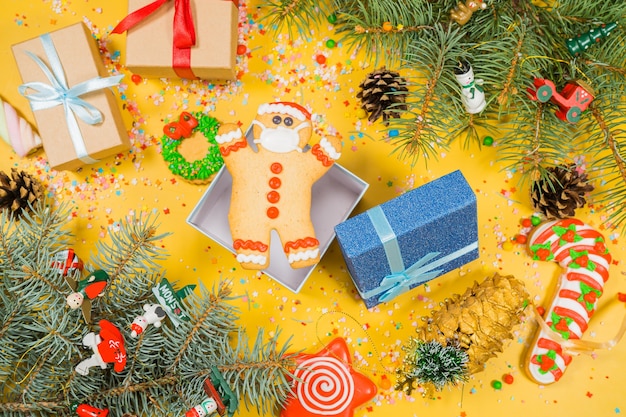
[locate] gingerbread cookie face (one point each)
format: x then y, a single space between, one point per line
272 184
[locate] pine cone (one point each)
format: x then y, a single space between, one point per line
561 193
19 191
383 90
469 329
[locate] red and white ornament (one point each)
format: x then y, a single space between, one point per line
67 262
206 408
326 384
154 314
107 346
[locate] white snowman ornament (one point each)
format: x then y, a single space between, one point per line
472 93
154 314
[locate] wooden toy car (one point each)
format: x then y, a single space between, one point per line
575 97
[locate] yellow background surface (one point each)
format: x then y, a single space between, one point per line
279 68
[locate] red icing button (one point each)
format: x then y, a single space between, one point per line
275 182
276 168
272 212
273 197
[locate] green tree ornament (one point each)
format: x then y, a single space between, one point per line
582 42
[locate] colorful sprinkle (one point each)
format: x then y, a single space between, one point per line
508 379
320 59
136 78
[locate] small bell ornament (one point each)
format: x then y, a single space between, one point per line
472 94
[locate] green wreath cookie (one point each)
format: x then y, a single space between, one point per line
199 171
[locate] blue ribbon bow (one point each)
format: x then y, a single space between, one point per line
402 279
58 93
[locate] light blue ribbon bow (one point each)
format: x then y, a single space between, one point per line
58 93
402 279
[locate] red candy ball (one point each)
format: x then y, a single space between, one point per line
321 59
526 223
508 379
136 78
242 49
521 239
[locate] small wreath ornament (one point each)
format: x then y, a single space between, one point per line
198 171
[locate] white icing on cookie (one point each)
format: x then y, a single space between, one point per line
329 149
228 137
251 259
303 256
282 109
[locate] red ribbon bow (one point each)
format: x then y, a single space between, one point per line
182 128
184 32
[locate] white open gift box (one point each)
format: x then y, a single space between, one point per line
333 198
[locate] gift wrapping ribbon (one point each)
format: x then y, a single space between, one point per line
402 279
58 93
184 32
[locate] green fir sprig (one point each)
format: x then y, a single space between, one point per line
41 338
431 363
508 45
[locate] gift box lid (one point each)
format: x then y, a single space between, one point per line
333 197
433 224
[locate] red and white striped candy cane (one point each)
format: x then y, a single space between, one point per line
581 251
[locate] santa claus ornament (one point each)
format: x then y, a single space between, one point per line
85 290
107 346
272 180
326 384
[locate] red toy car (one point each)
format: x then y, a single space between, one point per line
575 97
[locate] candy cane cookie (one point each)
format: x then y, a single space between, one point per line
581 251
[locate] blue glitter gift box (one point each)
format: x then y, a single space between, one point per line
411 239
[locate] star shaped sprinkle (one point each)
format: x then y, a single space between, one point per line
327 385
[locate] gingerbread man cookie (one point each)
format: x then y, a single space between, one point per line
272 184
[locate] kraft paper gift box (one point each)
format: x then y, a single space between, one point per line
68 89
411 239
333 197
201 44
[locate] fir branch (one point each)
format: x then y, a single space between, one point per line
167 381
507 88
360 26
210 315
33 408
428 102
302 15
